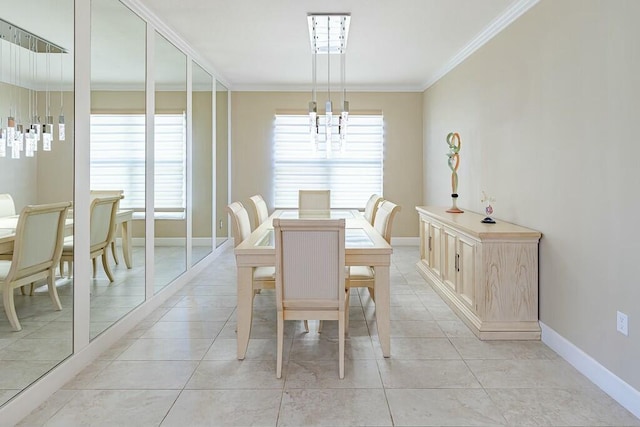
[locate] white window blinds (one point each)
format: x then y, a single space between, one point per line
352 176
118 158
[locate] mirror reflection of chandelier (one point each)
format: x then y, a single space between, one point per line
328 35
21 53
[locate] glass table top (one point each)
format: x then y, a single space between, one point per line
353 238
316 214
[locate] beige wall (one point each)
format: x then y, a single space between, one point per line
548 114
222 163
252 116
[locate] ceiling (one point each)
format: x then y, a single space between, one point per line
393 45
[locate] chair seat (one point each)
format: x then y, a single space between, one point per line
4 269
361 272
67 246
264 273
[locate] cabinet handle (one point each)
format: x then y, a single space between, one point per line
457 262
429 243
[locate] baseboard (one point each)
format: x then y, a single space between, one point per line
610 383
405 241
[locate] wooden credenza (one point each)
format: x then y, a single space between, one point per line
487 273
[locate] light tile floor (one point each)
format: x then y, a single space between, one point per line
178 368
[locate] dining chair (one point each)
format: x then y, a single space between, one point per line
36 251
362 276
263 277
102 221
310 260
314 200
260 211
7 207
371 207
110 193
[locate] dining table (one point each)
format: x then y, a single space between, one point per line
363 246
8 225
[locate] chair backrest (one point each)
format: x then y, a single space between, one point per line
309 263
39 238
260 211
371 208
102 221
7 207
383 221
239 222
319 200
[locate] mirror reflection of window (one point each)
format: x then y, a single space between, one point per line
170 142
37 170
117 156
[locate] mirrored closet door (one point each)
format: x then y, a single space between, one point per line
117 161
37 169
170 171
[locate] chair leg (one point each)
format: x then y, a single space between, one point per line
346 309
280 332
10 309
113 252
341 324
53 292
105 264
95 269
34 283
306 326
372 293
320 324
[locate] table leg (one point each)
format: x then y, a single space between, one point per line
126 243
245 309
383 308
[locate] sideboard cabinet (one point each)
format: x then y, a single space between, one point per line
487 273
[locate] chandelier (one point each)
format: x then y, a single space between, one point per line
328 35
21 53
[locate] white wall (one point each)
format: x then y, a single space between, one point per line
548 114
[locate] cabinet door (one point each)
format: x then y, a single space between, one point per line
435 261
450 261
425 240
466 280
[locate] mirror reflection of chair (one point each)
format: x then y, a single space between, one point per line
7 208
102 222
362 276
260 211
110 193
263 277
36 252
310 260
372 207
314 200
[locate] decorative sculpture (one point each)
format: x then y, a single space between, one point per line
488 209
453 140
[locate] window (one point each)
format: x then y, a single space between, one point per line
352 176
118 158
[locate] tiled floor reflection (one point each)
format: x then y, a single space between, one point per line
178 368
46 336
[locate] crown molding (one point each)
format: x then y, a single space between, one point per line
152 19
320 89
513 12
